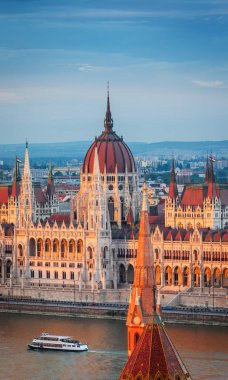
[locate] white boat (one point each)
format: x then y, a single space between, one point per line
57 343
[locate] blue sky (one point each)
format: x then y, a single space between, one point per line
166 61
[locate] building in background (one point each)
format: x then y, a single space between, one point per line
199 206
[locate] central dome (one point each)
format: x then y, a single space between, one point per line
113 153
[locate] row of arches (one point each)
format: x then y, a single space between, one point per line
55 248
5 270
126 275
127 253
184 254
177 277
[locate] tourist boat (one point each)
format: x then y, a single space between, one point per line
57 342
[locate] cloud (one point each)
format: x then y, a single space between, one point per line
86 67
116 15
7 96
209 84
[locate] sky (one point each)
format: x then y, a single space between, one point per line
166 62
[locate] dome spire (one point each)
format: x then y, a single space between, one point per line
108 122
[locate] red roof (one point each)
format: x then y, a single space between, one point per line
39 195
225 237
194 195
59 218
15 192
112 151
4 193
154 357
157 220
217 236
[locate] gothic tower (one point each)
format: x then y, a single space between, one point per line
172 199
26 194
142 301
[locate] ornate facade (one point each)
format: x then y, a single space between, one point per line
24 199
91 252
199 206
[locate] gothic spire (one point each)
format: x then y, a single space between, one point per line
50 184
50 174
17 174
173 192
211 192
26 171
108 122
151 353
142 305
16 179
207 171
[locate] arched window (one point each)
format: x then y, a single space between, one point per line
8 268
130 274
136 338
80 246
72 246
186 276
55 246
39 247
48 245
111 209
177 276
158 275
197 277
63 248
90 253
168 276
157 254
122 274
122 208
32 247
207 277
20 250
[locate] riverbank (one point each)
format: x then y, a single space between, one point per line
106 311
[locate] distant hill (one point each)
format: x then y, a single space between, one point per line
77 149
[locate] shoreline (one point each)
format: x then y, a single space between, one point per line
168 317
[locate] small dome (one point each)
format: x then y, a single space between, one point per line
112 151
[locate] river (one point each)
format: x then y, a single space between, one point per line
204 349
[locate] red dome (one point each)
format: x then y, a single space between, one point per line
111 149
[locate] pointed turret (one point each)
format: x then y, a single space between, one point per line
108 122
211 192
173 192
16 179
50 184
142 305
26 190
96 165
207 171
26 171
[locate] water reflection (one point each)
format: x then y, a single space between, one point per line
204 350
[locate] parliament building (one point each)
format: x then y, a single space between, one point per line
90 254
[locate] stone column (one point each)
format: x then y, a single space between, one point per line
201 278
191 276
162 275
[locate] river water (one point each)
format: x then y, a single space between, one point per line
203 349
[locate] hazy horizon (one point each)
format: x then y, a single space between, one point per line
166 63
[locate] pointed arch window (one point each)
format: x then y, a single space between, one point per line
111 209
